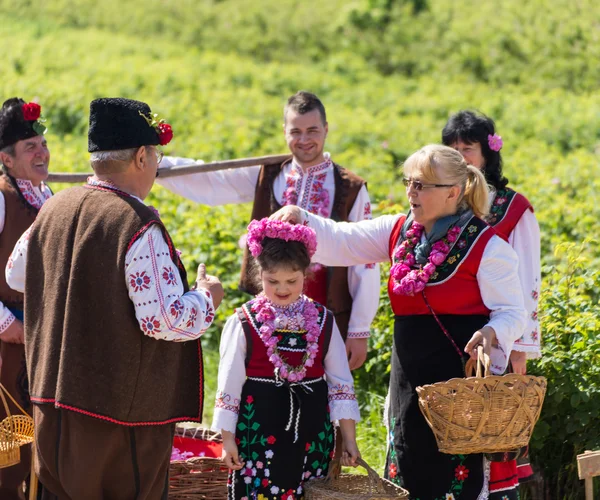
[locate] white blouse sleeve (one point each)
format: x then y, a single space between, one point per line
232 376
351 243
162 308
364 280
15 267
342 400
235 185
501 293
15 278
525 240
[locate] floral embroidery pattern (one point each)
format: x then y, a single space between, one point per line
316 197
500 206
228 402
192 319
169 276
150 325
139 281
392 472
459 251
177 308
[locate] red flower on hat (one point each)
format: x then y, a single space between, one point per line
31 111
165 133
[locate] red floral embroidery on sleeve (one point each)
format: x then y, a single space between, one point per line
177 308
139 281
169 276
192 319
151 325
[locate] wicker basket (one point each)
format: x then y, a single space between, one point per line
198 478
482 414
339 486
15 431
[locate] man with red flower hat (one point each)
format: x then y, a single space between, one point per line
112 336
25 157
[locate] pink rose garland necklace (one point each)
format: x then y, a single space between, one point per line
266 314
408 281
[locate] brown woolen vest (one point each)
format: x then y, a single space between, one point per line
347 187
85 349
19 216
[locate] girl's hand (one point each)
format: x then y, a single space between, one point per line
350 454
486 337
231 457
518 360
289 213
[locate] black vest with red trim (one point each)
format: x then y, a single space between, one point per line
507 209
292 344
453 289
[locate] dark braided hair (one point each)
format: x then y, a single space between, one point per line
470 127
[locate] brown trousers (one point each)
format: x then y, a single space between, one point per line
13 375
80 457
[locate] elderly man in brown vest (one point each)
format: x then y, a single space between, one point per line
313 181
25 157
111 327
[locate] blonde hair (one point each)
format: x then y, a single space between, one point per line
437 164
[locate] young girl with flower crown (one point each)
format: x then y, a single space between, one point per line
283 376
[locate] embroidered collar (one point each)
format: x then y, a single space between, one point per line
35 196
321 167
94 182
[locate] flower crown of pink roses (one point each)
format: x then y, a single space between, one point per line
32 112
495 142
258 230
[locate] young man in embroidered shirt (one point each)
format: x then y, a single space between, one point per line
112 336
25 157
313 181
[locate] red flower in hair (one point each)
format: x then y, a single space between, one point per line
31 111
165 133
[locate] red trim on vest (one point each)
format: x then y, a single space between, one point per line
518 205
503 476
260 366
458 294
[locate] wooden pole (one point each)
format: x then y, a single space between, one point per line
190 168
588 466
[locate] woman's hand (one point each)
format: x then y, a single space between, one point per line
231 457
289 213
485 337
518 360
350 454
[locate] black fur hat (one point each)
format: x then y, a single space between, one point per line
118 123
14 126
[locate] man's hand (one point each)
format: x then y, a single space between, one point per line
210 283
356 349
14 334
518 360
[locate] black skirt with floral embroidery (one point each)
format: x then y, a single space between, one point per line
285 437
423 355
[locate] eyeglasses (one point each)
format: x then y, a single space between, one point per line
419 186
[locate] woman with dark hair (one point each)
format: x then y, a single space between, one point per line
511 215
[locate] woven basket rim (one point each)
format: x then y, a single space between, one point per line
538 378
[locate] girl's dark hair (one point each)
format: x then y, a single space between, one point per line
280 253
470 127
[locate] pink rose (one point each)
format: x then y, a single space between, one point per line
429 269
437 258
419 286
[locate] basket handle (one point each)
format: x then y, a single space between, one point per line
335 468
481 365
6 409
5 390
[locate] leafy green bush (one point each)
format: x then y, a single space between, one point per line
570 420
